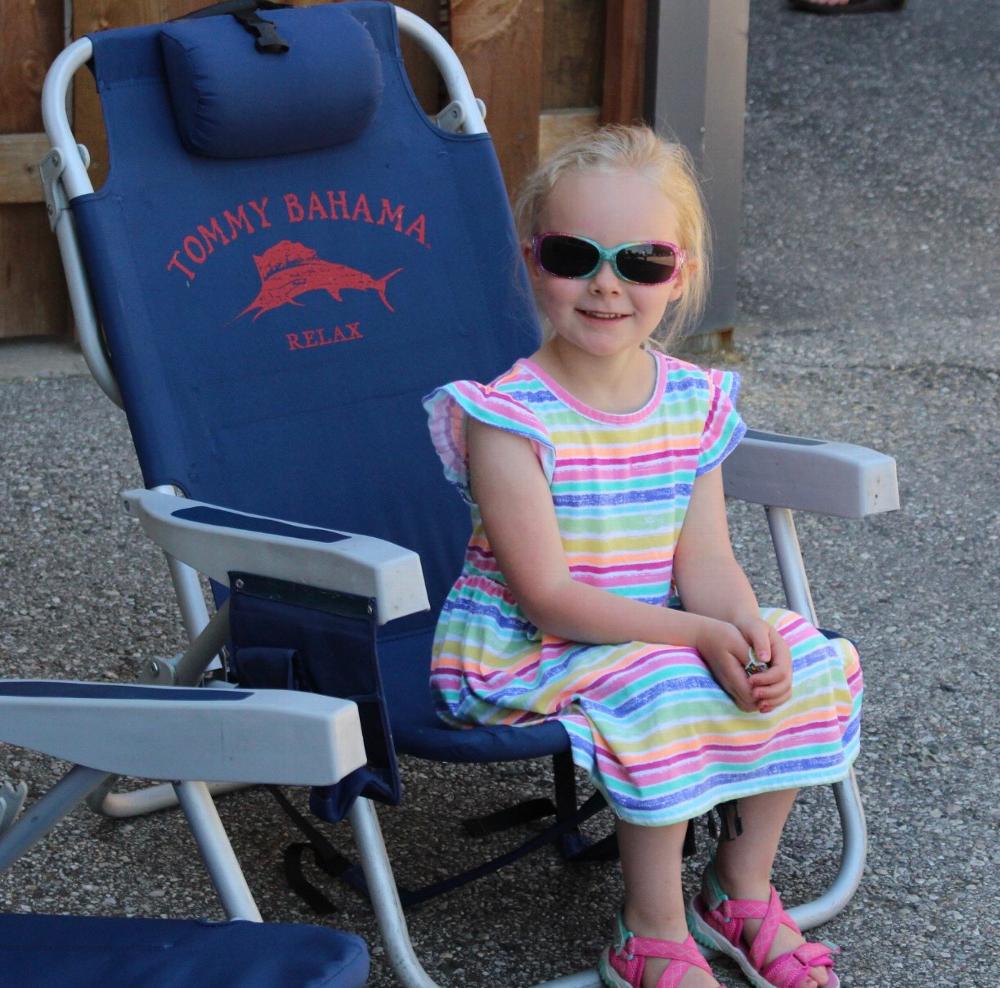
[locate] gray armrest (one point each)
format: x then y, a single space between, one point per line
219 541
811 475
167 732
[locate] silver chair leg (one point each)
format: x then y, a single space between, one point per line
216 851
852 860
384 896
150 799
389 911
852 816
187 670
39 818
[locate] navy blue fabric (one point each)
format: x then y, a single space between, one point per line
232 101
115 691
417 729
267 668
274 323
248 523
294 646
80 952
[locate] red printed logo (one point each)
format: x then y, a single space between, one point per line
288 270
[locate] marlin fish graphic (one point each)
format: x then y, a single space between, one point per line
288 270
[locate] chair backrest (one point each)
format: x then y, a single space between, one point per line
286 256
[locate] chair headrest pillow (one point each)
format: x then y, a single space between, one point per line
232 101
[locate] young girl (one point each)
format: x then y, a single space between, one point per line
592 470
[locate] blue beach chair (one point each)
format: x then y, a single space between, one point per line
168 733
286 256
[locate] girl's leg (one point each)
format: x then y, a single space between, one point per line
744 864
654 896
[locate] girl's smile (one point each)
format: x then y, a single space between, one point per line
592 314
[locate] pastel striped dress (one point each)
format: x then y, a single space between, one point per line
653 729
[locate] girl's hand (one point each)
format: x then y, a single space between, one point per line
772 687
724 648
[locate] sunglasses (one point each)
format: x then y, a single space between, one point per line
645 262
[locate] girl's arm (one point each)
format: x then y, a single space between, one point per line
711 582
520 522
708 577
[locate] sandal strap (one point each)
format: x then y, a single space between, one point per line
774 918
686 952
793 968
790 969
681 955
733 913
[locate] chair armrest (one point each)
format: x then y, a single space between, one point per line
168 732
811 475
218 541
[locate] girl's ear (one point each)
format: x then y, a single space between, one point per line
679 287
529 260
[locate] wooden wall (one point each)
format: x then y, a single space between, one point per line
547 70
550 70
33 298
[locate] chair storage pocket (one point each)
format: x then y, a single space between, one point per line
287 636
266 668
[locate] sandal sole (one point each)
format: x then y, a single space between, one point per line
609 976
707 937
612 979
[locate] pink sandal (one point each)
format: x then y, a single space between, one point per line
624 961
719 924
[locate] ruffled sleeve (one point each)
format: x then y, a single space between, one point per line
448 409
724 427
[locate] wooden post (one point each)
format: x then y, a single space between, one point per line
500 44
624 61
696 91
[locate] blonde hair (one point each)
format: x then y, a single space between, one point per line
669 165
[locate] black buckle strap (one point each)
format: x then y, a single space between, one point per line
730 826
330 860
266 35
510 816
325 855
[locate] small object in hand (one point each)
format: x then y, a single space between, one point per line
754 664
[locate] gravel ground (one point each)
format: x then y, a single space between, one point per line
866 316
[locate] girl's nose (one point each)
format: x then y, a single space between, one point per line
605 280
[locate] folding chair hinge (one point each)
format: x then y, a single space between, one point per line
12 798
50 168
160 672
452 117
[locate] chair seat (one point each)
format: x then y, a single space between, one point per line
70 951
417 730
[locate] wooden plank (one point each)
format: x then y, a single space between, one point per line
30 39
33 300
500 44
624 61
19 158
573 53
556 127
33 297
